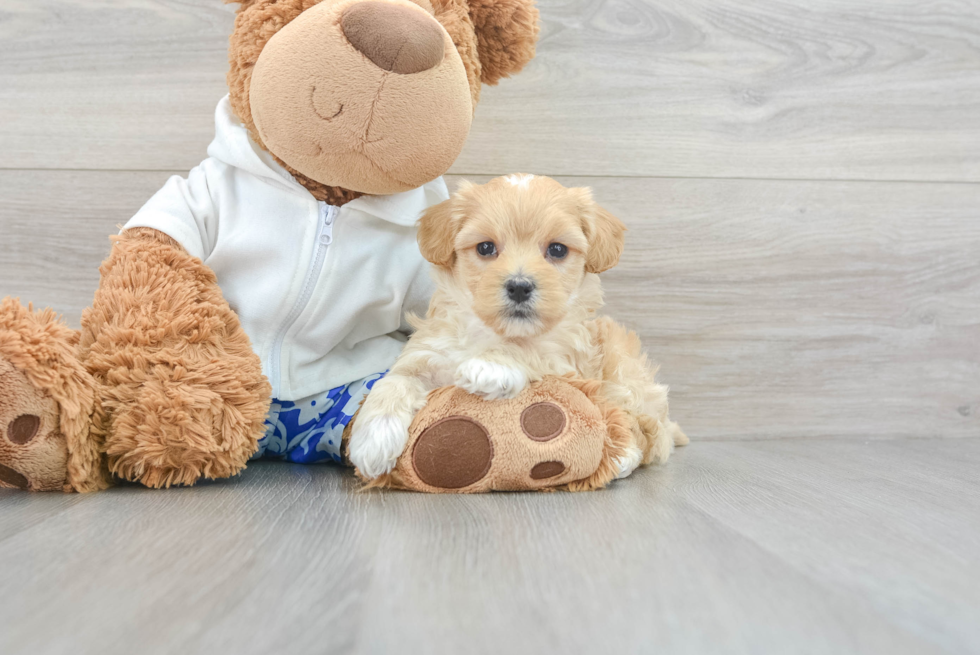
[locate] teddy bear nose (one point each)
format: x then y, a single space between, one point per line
396 38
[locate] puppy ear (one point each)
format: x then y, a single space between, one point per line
605 232
506 34
437 234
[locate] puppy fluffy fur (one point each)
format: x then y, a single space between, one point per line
516 263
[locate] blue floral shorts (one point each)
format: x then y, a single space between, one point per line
309 431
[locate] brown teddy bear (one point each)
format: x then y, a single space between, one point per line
278 273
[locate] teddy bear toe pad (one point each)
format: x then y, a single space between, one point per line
19 432
543 421
23 428
547 470
452 453
548 436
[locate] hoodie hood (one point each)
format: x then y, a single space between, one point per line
233 145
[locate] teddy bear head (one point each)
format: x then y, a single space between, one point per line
370 96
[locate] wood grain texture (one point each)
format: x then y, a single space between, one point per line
820 546
777 309
110 85
782 312
833 89
782 309
55 228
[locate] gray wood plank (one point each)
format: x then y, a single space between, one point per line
110 85
907 496
835 89
54 231
180 570
23 511
777 309
782 309
816 546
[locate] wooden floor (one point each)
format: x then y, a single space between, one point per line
801 179
818 546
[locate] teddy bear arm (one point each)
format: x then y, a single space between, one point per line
182 392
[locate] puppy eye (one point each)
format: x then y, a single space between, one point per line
486 249
558 251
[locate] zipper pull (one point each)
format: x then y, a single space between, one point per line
326 231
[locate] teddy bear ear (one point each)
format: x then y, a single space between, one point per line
506 33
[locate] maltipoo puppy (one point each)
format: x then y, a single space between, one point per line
516 263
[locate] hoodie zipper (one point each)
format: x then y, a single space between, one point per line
324 237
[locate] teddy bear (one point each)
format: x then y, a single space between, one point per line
247 309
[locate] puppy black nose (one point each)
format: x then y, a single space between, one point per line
519 290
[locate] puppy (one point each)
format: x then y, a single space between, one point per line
516 264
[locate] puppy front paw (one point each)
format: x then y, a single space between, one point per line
376 444
629 462
488 380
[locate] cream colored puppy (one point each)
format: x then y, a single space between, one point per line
516 263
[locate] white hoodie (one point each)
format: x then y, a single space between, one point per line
321 291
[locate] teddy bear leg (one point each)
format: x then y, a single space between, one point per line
46 405
552 435
183 395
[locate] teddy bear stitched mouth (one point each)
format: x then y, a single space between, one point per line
316 110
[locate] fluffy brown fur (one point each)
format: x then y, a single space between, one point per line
479 338
454 15
507 31
183 393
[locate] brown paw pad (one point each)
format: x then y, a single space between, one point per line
23 428
549 436
452 453
11 477
546 470
543 421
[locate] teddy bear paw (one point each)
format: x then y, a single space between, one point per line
33 452
551 435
